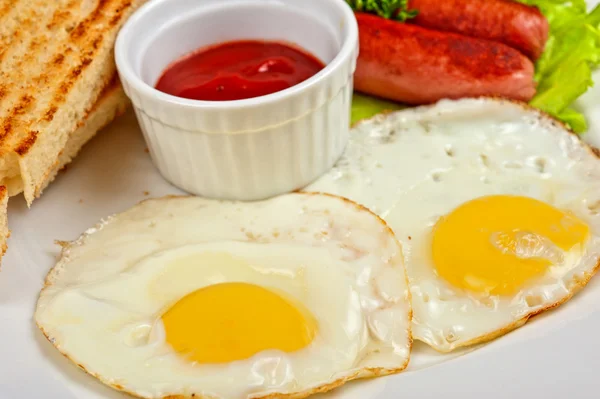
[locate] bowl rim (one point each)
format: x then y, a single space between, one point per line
132 78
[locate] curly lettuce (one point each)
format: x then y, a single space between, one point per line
391 9
563 73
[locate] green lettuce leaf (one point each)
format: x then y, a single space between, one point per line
364 107
563 73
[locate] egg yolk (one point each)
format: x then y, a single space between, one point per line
234 321
495 244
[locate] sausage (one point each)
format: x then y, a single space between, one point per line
514 24
415 65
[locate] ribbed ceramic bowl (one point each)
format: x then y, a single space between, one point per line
246 149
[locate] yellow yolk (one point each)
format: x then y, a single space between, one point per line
496 244
234 321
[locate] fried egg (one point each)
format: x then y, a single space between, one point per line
185 297
497 207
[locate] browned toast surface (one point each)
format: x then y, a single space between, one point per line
56 58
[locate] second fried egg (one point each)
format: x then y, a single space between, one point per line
497 208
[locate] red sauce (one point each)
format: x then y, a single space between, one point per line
238 70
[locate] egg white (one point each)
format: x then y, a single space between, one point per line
102 303
413 166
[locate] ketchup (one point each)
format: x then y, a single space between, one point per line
238 70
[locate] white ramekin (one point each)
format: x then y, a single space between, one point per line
247 149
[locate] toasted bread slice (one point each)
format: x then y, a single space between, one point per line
56 57
112 103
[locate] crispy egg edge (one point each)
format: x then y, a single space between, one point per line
363 373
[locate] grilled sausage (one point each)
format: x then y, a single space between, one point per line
514 24
414 65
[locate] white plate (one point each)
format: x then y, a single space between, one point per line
557 355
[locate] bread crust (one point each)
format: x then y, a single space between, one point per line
4 231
